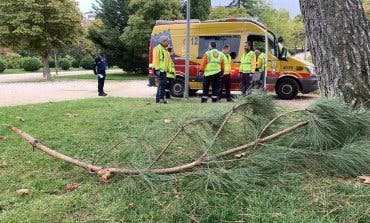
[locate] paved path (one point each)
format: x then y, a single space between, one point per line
21 93
21 89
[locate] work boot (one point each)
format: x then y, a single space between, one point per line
162 101
204 100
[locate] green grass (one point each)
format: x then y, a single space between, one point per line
21 71
86 128
113 76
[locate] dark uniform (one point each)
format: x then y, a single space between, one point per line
100 66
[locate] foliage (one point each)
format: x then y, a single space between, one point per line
87 62
220 12
80 48
31 63
3 65
112 17
281 181
140 24
366 4
253 7
51 63
75 63
65 63
13 61
39 26
281 23
199 9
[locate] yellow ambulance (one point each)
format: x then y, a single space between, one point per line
285 75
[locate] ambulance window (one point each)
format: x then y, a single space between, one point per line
259 42
233 41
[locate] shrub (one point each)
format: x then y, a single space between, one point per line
75 63
87 62
31 63
3 65
13 60
65 63
51 63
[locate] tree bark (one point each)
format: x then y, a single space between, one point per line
339 39
46 68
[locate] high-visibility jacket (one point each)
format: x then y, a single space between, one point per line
171 67
160 58
227 61
261 62
215 58
248 63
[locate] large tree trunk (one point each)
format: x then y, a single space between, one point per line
46 68
339 39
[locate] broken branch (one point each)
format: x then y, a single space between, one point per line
104 173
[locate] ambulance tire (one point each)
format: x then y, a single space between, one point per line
177 88
287 88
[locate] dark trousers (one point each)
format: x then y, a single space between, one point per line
213 80
162 80
225 83
101 82
246 82
168 87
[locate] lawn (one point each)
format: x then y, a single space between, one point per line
21 71
92 130
112 76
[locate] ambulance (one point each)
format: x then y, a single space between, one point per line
285 75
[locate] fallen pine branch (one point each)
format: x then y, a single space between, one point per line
105 172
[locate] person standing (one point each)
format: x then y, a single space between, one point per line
100 67
171 72
247 68
261 60
160 67
212 67
225 79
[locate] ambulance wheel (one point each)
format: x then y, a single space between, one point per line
287 88
177 88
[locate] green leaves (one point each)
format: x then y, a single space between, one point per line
39 26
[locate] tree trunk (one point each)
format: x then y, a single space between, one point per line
339 39
46 68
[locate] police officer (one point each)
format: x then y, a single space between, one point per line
100 66
225 80
171 72
212 67
247 68
160 66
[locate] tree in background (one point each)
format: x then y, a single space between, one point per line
39 26
140 24
339 39
367 8
253 7
112 17
200 9
227 12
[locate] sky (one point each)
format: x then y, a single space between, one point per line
291 5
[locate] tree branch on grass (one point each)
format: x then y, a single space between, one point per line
105 172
